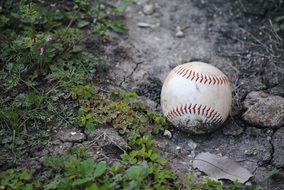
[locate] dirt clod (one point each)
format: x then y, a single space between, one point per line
264 110
70 135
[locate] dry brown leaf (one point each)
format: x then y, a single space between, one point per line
221 167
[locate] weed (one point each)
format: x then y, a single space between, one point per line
18 179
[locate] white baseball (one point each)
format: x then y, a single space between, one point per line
196 97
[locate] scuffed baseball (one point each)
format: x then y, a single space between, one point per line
196 97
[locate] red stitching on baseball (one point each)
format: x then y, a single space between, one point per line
207 112
211 114
203 110
201 78
198 109
181 110
178 111
189 108
185 73
185 110
193 108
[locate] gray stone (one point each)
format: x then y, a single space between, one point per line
168 134
148 9
192 145
264 109
61 148
107 137
179 32
144 25
278 143
70 135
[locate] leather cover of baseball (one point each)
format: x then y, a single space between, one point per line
196 97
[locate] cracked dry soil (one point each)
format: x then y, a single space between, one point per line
235 36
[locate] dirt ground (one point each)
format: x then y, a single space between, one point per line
235 36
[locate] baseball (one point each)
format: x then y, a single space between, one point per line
196 97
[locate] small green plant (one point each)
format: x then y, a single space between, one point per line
273 173
278 24
76 169
78 174
14 179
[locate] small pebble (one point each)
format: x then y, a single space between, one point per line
73 133
102 6
179 33
168 134
178 148
144 25
148 9
192 145
248 183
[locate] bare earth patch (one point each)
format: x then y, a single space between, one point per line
220 33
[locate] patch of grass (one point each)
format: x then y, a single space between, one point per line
121 110
14 179
278 23
42 59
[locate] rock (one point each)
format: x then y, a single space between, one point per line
107 137
149 103
33 166
148 9
144 25
168 134
70 135
61 148
264 110
278 143
192 145
277 91
179 33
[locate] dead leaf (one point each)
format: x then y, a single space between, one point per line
221 167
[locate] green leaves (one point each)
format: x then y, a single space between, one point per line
122 6
82 23
117 26
68 36
30 13
137 173
77 172
28 100
14 179
83 92
100 169
11 117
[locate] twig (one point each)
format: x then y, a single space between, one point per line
268 50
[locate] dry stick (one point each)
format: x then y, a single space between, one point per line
257 40
242 5
59 114
275 34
